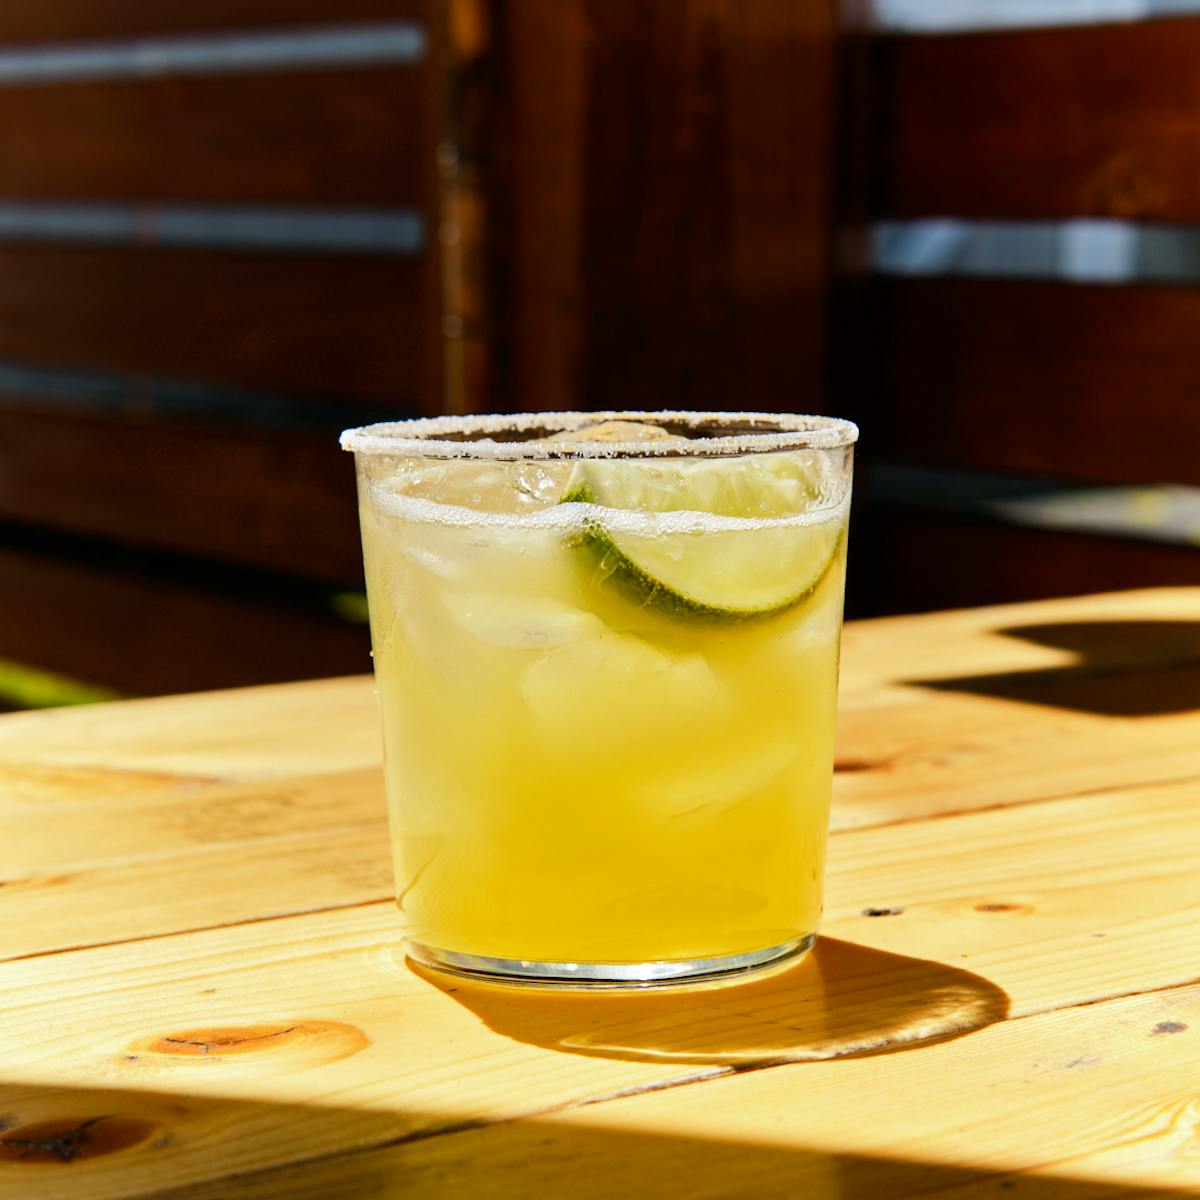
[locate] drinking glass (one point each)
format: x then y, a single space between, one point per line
606 653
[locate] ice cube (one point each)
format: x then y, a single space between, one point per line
617 696
718 777
483 486
522 622
538 484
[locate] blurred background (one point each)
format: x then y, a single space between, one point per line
230 228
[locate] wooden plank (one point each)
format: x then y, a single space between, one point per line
537 205
938 713
652 240
952 1121
346 137
329 725
902 563
322 970
56 824
143 631
1029 893
261 733
279 499
1119 633
299 853
349 326
1001 912
962 744
247 852
1086 381
1083 121
929 725
1004 704
69 20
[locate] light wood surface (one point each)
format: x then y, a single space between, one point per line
197 945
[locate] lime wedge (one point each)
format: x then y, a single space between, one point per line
718 572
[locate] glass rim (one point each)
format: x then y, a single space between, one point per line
450 436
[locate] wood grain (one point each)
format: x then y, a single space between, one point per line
1033 963
990 695
68 20
663 223
997 906
536 205
114 874
1087 121
1012 703
848 1129
339 326
1034 377
1015 887
344 137
261 733
263 974
57 824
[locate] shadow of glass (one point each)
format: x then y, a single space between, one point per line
1125 669
841 1000
180 1146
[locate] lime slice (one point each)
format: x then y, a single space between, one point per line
716 572
767 485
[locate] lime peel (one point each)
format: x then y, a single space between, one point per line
701 586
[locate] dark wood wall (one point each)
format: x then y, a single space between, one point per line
208 265
207 270
1066 382
618 204
666 202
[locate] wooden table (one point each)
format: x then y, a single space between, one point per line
201 995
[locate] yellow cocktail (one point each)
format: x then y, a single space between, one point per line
607 681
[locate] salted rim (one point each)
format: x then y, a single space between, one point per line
426 437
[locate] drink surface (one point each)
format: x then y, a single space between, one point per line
608 730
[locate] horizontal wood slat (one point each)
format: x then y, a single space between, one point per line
69 20
340 326
345 137
321 727
279 499
147 635
1083 121
908 563
1086 381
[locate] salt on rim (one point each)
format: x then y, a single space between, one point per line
429 437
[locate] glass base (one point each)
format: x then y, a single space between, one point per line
589 976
